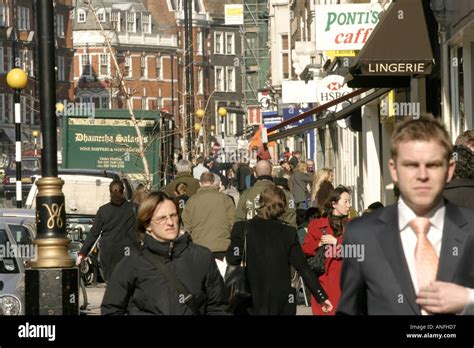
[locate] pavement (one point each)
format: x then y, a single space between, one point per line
95 295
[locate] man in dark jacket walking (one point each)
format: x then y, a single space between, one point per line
115 221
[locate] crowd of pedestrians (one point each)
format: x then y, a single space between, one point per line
278 216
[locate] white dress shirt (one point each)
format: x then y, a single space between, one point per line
435 235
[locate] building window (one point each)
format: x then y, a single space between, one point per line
143 66
31 68
2 108
4 15
101 15
144 104
229 43
23 18
159 70
81 16
131 22
176 5
199 43
146 23
104 65
9 58
218 43
60 25
24 118
230 79
105 102
219 75
200 80
128 67
197 6
2 63
231 123
61 76
85 65
285 57
115 20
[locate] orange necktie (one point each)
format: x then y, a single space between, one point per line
426 260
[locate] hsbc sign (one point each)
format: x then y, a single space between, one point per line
330 88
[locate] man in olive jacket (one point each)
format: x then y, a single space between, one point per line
208 217
184 175
249 199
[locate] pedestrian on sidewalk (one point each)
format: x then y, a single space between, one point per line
327 232
299 182
322 187
115 222
171 275
271 248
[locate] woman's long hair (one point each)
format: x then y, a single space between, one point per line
337 222
321 176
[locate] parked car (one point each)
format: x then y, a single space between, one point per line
30 168
12 276
22 223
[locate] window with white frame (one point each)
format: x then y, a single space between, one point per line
32 110
230 79
85 65
218 42
143 71
2 63
23 18
9 58
144 104
60 25
31 67
197 6
22 59
104 64
200 80
285 56
61 75
146 23
151 104
199 43
9 116
231 123
131 22
105 102
101 15
128 66
219 78
4 15
229 43
2 107
81 16
85 99
159 70
115 20
24 115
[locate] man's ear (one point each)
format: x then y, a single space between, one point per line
392 166
451 168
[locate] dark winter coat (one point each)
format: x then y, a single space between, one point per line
460 191
299 186
188 179
137 287
272 247
119 236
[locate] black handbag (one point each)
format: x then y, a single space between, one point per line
317 263
236 281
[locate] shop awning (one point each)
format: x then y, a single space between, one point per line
399 48
332 117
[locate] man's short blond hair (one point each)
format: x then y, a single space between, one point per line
426 128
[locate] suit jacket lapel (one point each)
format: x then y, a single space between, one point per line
452 244
391 243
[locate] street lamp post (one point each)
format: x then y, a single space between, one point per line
222 113
35 134
51 285
17 80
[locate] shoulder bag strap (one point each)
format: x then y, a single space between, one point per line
179 286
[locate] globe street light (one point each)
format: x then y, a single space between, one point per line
17 80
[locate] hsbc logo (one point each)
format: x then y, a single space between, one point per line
330 88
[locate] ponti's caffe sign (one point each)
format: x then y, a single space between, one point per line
345 27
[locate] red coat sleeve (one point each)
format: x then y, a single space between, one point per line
312 239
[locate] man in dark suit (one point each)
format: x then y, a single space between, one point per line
418 253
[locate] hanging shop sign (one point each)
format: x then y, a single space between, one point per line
330 88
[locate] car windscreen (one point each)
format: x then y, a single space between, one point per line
8 263
32 165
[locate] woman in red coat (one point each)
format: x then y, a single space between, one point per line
328 230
